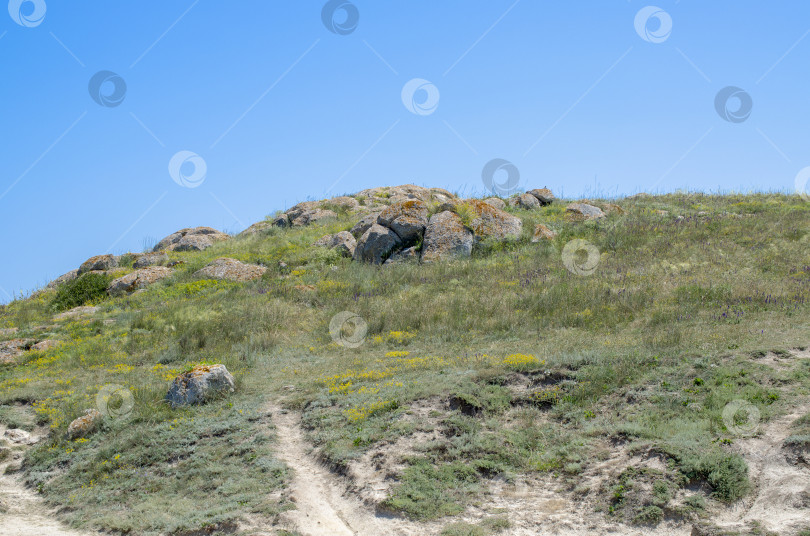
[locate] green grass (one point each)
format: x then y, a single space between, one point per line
645 353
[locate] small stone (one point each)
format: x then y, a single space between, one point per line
84 425
541 232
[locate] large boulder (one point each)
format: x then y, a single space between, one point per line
98 263
138 279
490 222
583 212
343 241
150 259
231 270
201 384
495 202
406 218
406 192
376 244
543 195
364 224
192 239
301 208
528 201
446 236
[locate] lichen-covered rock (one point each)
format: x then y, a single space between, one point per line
202 384
406 192
406 218
64 278
490 222
311 216
300 208
541 232
528 201
150 259
191 239
376 244
98 263
364 224
495 202
543 195
139 279
84 425
583 212
282 220
231 270
343 242
445 237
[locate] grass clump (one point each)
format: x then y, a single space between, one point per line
86 289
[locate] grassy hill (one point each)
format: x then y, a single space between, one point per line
478 380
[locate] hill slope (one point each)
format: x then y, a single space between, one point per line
652 378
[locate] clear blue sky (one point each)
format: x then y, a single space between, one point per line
282 109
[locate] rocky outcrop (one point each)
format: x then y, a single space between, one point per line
191 239
138 279
9 350
376 244
150 259
583 212
202 384
364 224
490 222
445 237
84 425
343 202
407 219
98 263
312 216
231 270
541 232
343 242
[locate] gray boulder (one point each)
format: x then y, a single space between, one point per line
365 224
150 259
191 239
583 212
202 384
376 244
98 263
406 218
446 236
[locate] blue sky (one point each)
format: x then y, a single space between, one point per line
281 108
